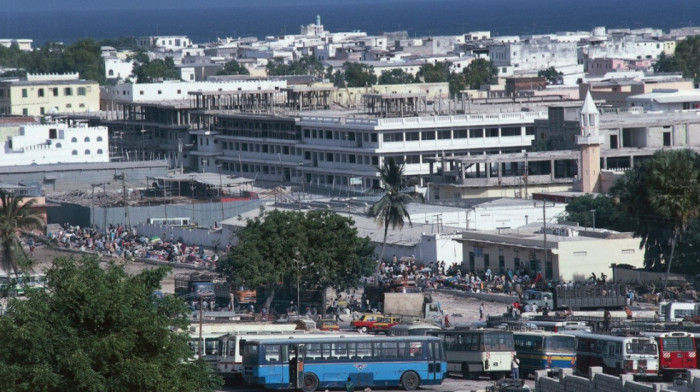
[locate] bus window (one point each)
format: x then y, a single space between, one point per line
313 351
364 350
340 350
272 353
416 349
560 343
641 348
390 350
210 346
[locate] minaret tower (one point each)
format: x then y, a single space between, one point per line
589 141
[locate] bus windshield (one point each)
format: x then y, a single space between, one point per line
678 344
641 348
560 343
498 341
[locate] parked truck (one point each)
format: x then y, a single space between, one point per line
207 286
413 306
607 296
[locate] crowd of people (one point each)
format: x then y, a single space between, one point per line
125 243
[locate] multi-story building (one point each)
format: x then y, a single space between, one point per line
42 144
342 150
41 94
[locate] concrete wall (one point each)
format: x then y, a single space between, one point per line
205 214
203 237
599 382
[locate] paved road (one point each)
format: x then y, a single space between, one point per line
451 384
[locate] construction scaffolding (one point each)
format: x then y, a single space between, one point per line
395 104
308 98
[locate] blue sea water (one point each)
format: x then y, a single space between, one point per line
418 17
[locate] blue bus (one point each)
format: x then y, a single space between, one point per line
313 363
544 351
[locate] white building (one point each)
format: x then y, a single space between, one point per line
572 252
666 100
55 143
164 42
507 213
175 90
24 45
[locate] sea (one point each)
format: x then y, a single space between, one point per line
256 18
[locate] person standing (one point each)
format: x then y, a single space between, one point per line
515 368
349 386
481 312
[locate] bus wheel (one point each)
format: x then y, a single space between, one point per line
310 383
497 375
410 381
363 329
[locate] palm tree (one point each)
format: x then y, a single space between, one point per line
391 210
675 196
16 218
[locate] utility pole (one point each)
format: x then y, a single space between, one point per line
593 213
122 177
526 172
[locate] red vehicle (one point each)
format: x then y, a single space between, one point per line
677 352
365 322
383 324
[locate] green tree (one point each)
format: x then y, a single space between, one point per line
359 75
96 329
434 73
233 68
153 70
480 72
607 214
320 248
551 74
396 76
16 217
306 65
391 209
685 59
661 204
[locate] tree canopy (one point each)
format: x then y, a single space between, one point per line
149 71
321 247
551 74
480 72
607 215
396 76
357 75
99 330
661 196
233 68
685 59
306 65
84 56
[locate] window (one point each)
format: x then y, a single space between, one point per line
55 91
75 152
41 110
25 112
74 140
68 91
628 251
476 133
82 91
24 93
87 139
40 92
59 145
87 152
99 151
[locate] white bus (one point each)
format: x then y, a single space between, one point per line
169 221
636 355
478 352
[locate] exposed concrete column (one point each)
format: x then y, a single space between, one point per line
551 169
462 170
500 171
631 161
487 168
605 163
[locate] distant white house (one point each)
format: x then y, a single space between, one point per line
666 100
55 143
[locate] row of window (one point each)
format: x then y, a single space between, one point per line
67 91
345 351
87 152
449 134
87 139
